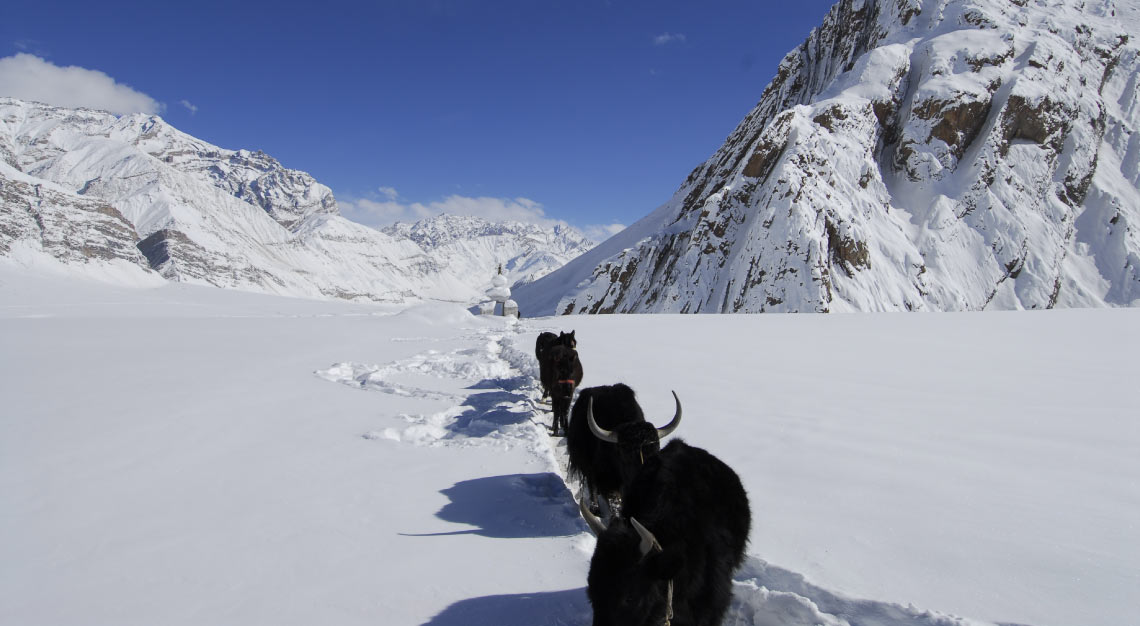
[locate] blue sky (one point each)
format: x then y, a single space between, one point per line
591 112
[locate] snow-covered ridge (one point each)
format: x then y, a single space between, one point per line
909 155
92 190
469 244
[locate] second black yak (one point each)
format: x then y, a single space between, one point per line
565 375
542 346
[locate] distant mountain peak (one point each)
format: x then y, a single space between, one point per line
92 190
526 251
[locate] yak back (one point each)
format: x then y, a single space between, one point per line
696 507
691 500
543 343
564 365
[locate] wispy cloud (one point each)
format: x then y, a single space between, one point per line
602 232
30 77
386 208
665 39
189 107
31 46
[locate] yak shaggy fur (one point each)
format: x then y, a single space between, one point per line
598 463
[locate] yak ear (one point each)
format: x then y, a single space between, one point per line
666 564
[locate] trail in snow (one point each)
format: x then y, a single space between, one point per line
503 408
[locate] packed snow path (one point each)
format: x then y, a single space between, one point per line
504 409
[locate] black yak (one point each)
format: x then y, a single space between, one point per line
565 376
542 346
670 556
611 451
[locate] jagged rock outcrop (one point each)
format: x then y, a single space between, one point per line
933 155
66 227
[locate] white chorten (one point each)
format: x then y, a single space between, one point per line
499 291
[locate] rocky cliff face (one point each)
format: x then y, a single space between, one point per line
909 155
67 227
88 188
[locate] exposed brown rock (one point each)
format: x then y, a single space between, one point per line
959 122
847 252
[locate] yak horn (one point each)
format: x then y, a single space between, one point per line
668 429
599 432
648 541
596 525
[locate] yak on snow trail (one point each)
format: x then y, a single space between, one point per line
565 376
542 347
671 554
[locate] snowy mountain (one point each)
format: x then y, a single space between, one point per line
909 155
124 197
469 245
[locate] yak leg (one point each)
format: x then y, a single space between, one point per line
599 504
605 512
610 507
564 421
561 408
555 405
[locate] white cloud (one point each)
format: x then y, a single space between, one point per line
386 210
665 39
29 77
376 213
189 107
601 232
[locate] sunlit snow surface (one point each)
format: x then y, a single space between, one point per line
182 455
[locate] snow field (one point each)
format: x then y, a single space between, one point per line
765 594
185 455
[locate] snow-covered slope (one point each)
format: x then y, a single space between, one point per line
89 189
909 155
469 245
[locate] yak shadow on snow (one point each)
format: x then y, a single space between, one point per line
489 412
511 507
501 402
520 609
513 384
